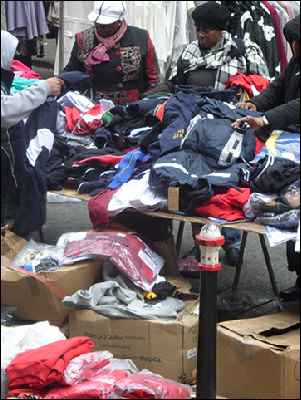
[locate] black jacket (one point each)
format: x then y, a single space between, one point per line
281 100
132 68
13 144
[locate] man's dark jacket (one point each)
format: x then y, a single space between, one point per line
280 102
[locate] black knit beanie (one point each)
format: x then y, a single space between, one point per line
211 15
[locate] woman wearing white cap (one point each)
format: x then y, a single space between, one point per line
121 59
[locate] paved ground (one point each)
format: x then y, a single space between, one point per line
44 66
70 217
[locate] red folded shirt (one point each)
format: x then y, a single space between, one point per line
45 365
227 206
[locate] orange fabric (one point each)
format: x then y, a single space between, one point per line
159 111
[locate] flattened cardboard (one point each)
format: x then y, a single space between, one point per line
168 348
173 199
259 358
167 250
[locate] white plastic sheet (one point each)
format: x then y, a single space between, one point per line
17 339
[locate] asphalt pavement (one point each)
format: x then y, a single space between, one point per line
254 282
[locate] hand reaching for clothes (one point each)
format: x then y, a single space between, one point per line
247 106
254 122
55 85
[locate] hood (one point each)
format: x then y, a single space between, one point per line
8 49
292 29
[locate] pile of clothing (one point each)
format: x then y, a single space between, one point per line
69 369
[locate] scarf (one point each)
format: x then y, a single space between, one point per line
226 60
99 53
214 59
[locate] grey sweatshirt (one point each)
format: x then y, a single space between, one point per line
16 107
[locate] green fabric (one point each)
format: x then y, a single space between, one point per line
21 83
158 95
217 46
107 117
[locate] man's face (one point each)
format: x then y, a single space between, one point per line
208 37
107 30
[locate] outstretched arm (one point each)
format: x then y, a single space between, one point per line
16 107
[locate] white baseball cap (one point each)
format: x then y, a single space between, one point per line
107 12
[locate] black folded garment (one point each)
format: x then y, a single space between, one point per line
210 92
191 198
76 80
166 289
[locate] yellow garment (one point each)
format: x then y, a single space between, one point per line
149 295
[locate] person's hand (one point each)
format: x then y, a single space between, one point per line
55 85
247 106
254 122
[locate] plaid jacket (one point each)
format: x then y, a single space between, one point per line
227 60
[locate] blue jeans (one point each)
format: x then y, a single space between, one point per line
232 238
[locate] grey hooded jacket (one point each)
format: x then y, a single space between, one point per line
19 106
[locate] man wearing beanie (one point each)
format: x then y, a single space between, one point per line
215 55
210 61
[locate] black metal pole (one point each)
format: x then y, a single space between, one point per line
206 358
209 241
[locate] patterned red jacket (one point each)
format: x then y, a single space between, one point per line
132 69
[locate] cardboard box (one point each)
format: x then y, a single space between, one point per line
168 348
35 301
11 244
38 297
259 358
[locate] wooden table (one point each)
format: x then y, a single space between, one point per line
244 227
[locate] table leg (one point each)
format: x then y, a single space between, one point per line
194 233
42 240
240 260
269 265
179 237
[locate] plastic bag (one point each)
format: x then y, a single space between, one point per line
146 385
9 316
291 195
287 220
35 257
252 208
17 339
130 254
99 387
277 236
125 364
238 304
85 366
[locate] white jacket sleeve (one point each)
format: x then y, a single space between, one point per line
16 107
